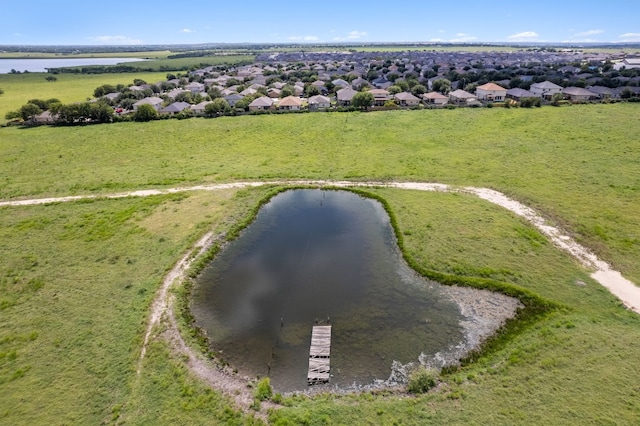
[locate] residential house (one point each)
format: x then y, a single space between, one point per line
627 63
382 83
262 103
44 118
406 99
603 92
198 109
233 98
248 91
545 90
380 96
341 83
517 94
273 93
344 96
578 94
290 103
174 108
229 91
154 101
319 102
298 90
491 92
435 98
112 96
360 83
175 92
461 97
195 87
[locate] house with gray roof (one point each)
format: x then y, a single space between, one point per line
319 102
406 99
578 94
545 90
174 108
233 98
344 96
461 97
154 101
260 104
517 94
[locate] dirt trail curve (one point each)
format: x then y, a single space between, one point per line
612 280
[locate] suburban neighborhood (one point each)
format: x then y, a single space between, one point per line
316 81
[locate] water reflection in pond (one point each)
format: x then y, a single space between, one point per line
312 256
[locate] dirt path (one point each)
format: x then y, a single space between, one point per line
235 387
612 280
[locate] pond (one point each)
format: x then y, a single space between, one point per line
317 257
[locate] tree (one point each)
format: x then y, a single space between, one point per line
286 90
214 93
184 97
311 90
1 91
28 111
394 89
103 90
51 78
219 106
442 85
362 100
145 113
402 84
12 115
626 93
418 90
139 82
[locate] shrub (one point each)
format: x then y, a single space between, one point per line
422 379
145 113
263 390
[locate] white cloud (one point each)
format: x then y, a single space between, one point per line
353 35
187 30
463 38
436 40
304 38
117 40
588 33
629 37
523 36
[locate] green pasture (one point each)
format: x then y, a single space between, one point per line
68 88
177 64
77 279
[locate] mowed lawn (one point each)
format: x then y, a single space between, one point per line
78 278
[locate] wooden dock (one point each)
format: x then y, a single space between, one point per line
319 355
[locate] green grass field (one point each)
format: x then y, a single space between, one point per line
77 279
19 88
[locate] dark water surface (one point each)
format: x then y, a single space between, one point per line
314 255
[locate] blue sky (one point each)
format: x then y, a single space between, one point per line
38 22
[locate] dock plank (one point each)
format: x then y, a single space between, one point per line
319 355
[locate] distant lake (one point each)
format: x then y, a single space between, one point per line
41 65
